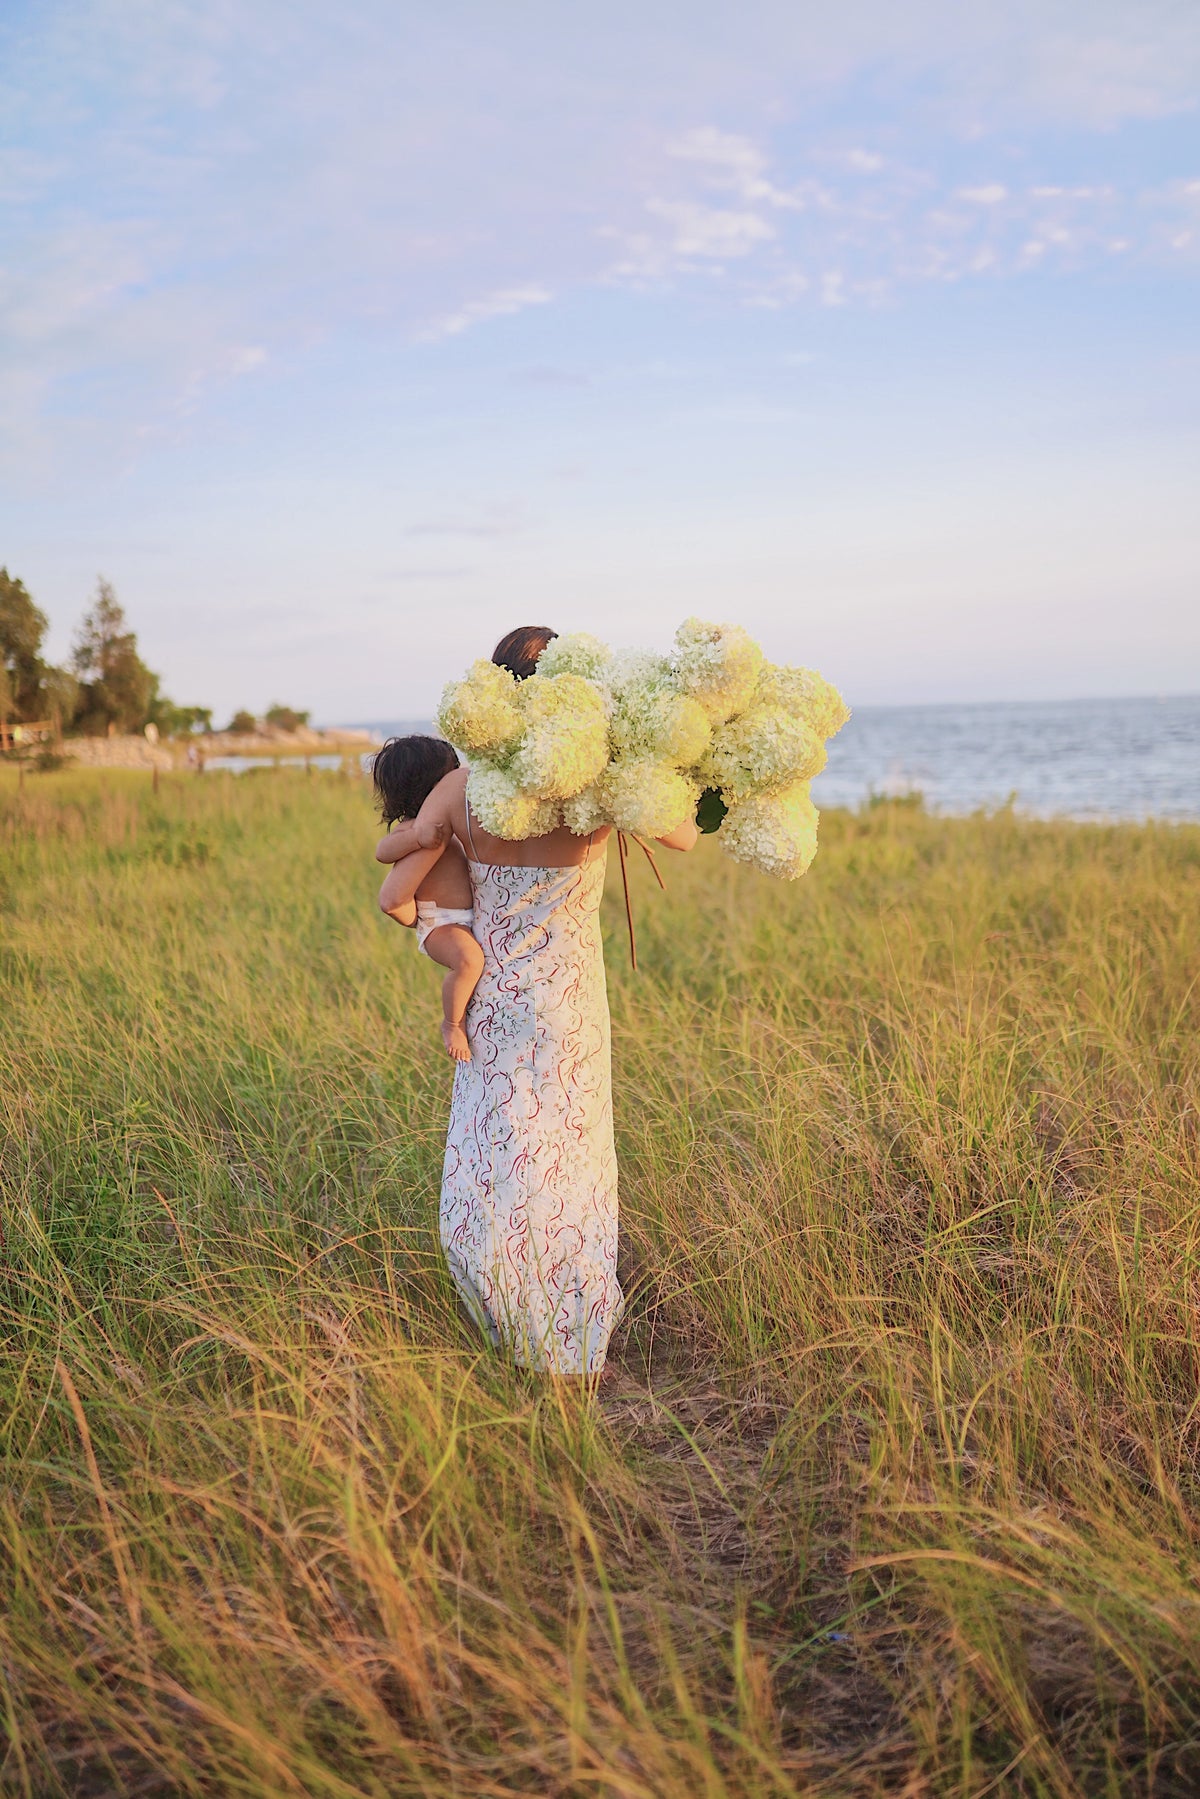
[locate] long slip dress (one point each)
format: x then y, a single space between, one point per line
529 1185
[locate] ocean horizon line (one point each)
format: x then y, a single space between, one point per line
397 724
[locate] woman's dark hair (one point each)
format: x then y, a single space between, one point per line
406 771
519 651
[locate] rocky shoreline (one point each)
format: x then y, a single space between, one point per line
263 745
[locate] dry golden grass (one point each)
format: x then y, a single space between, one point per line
896 1491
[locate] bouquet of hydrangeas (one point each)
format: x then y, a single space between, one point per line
643 742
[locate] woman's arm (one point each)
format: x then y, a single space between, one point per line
397 896
683 837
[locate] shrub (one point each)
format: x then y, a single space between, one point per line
286 718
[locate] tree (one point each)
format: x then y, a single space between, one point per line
179 721
286 718
117 690
58 695
22 627
29 688
243 723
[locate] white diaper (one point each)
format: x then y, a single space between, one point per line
430 916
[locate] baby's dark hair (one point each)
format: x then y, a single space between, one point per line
406 771
519 650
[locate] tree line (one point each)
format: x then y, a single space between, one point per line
105 687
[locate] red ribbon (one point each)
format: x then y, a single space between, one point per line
649 855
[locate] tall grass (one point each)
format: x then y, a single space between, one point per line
897 1489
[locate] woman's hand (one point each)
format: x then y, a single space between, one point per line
683 837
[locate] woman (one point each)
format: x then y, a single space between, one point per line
529 1184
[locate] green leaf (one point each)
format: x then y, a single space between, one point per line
710 811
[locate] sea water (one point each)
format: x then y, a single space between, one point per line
1052 758
1131 758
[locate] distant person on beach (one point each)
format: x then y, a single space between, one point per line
406 771
529 1184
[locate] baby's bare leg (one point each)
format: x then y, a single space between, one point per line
453 948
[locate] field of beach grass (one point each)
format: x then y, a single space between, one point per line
896 1491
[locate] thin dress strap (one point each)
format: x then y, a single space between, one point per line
588 851
470 833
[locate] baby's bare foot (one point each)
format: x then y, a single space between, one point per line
455 1039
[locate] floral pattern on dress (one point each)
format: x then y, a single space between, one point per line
529 1186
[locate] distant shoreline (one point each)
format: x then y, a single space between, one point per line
212 748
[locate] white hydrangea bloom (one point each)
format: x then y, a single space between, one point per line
584 812
652 720
576 653
565 742
638 671
503 809
685 731
479 714
807 694
647 799
718 665
659 724
775 833
765 749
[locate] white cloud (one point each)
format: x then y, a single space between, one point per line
710 231
908 226
1111 62
247 358
732 162
1071 193
501 304
71 272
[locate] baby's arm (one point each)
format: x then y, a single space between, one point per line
435 820
400 841
397 896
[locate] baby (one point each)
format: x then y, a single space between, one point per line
428 888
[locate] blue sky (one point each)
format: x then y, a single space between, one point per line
341 339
